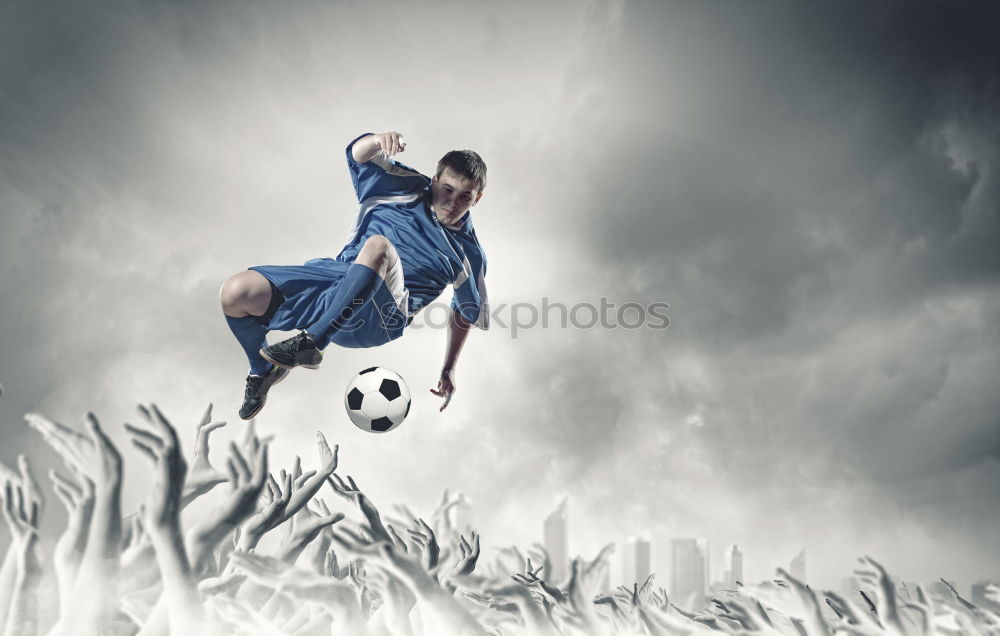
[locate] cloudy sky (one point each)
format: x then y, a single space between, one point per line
812 189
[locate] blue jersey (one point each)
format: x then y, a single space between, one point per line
395 202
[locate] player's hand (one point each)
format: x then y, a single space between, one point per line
445 388
390 142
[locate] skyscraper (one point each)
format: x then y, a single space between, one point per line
688 571
734 566
980 598
556 542
635 561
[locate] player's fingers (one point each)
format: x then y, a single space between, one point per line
447 400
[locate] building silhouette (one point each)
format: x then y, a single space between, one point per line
556 542
636 561
733 560
979 598
688 571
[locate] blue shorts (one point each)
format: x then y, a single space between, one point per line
308 289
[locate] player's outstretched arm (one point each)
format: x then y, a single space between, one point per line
458 331
367 148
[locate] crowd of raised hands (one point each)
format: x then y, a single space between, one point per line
266 555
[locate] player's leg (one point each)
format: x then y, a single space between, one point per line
377 255
245 297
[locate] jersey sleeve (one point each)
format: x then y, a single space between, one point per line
470 299
382 177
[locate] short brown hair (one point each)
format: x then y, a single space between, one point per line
465 163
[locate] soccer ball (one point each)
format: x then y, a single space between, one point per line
377 400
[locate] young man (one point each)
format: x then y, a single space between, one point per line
413 236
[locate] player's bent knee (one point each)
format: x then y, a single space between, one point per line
245 292
378 252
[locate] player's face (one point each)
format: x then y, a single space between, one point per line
453 196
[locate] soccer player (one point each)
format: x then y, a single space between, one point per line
412 237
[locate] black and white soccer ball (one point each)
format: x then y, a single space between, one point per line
377 400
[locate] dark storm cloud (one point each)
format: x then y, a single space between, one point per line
825 134
814 191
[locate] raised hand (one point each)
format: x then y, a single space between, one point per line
533 612
873 574
468 555
275 499
313 481
853 619
445 387
307 530
350 491
423 537
30 484
246 484
93 455
812 614
530 578
160 444
78 498
390 143
202 476
158 441
21 514
331 568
